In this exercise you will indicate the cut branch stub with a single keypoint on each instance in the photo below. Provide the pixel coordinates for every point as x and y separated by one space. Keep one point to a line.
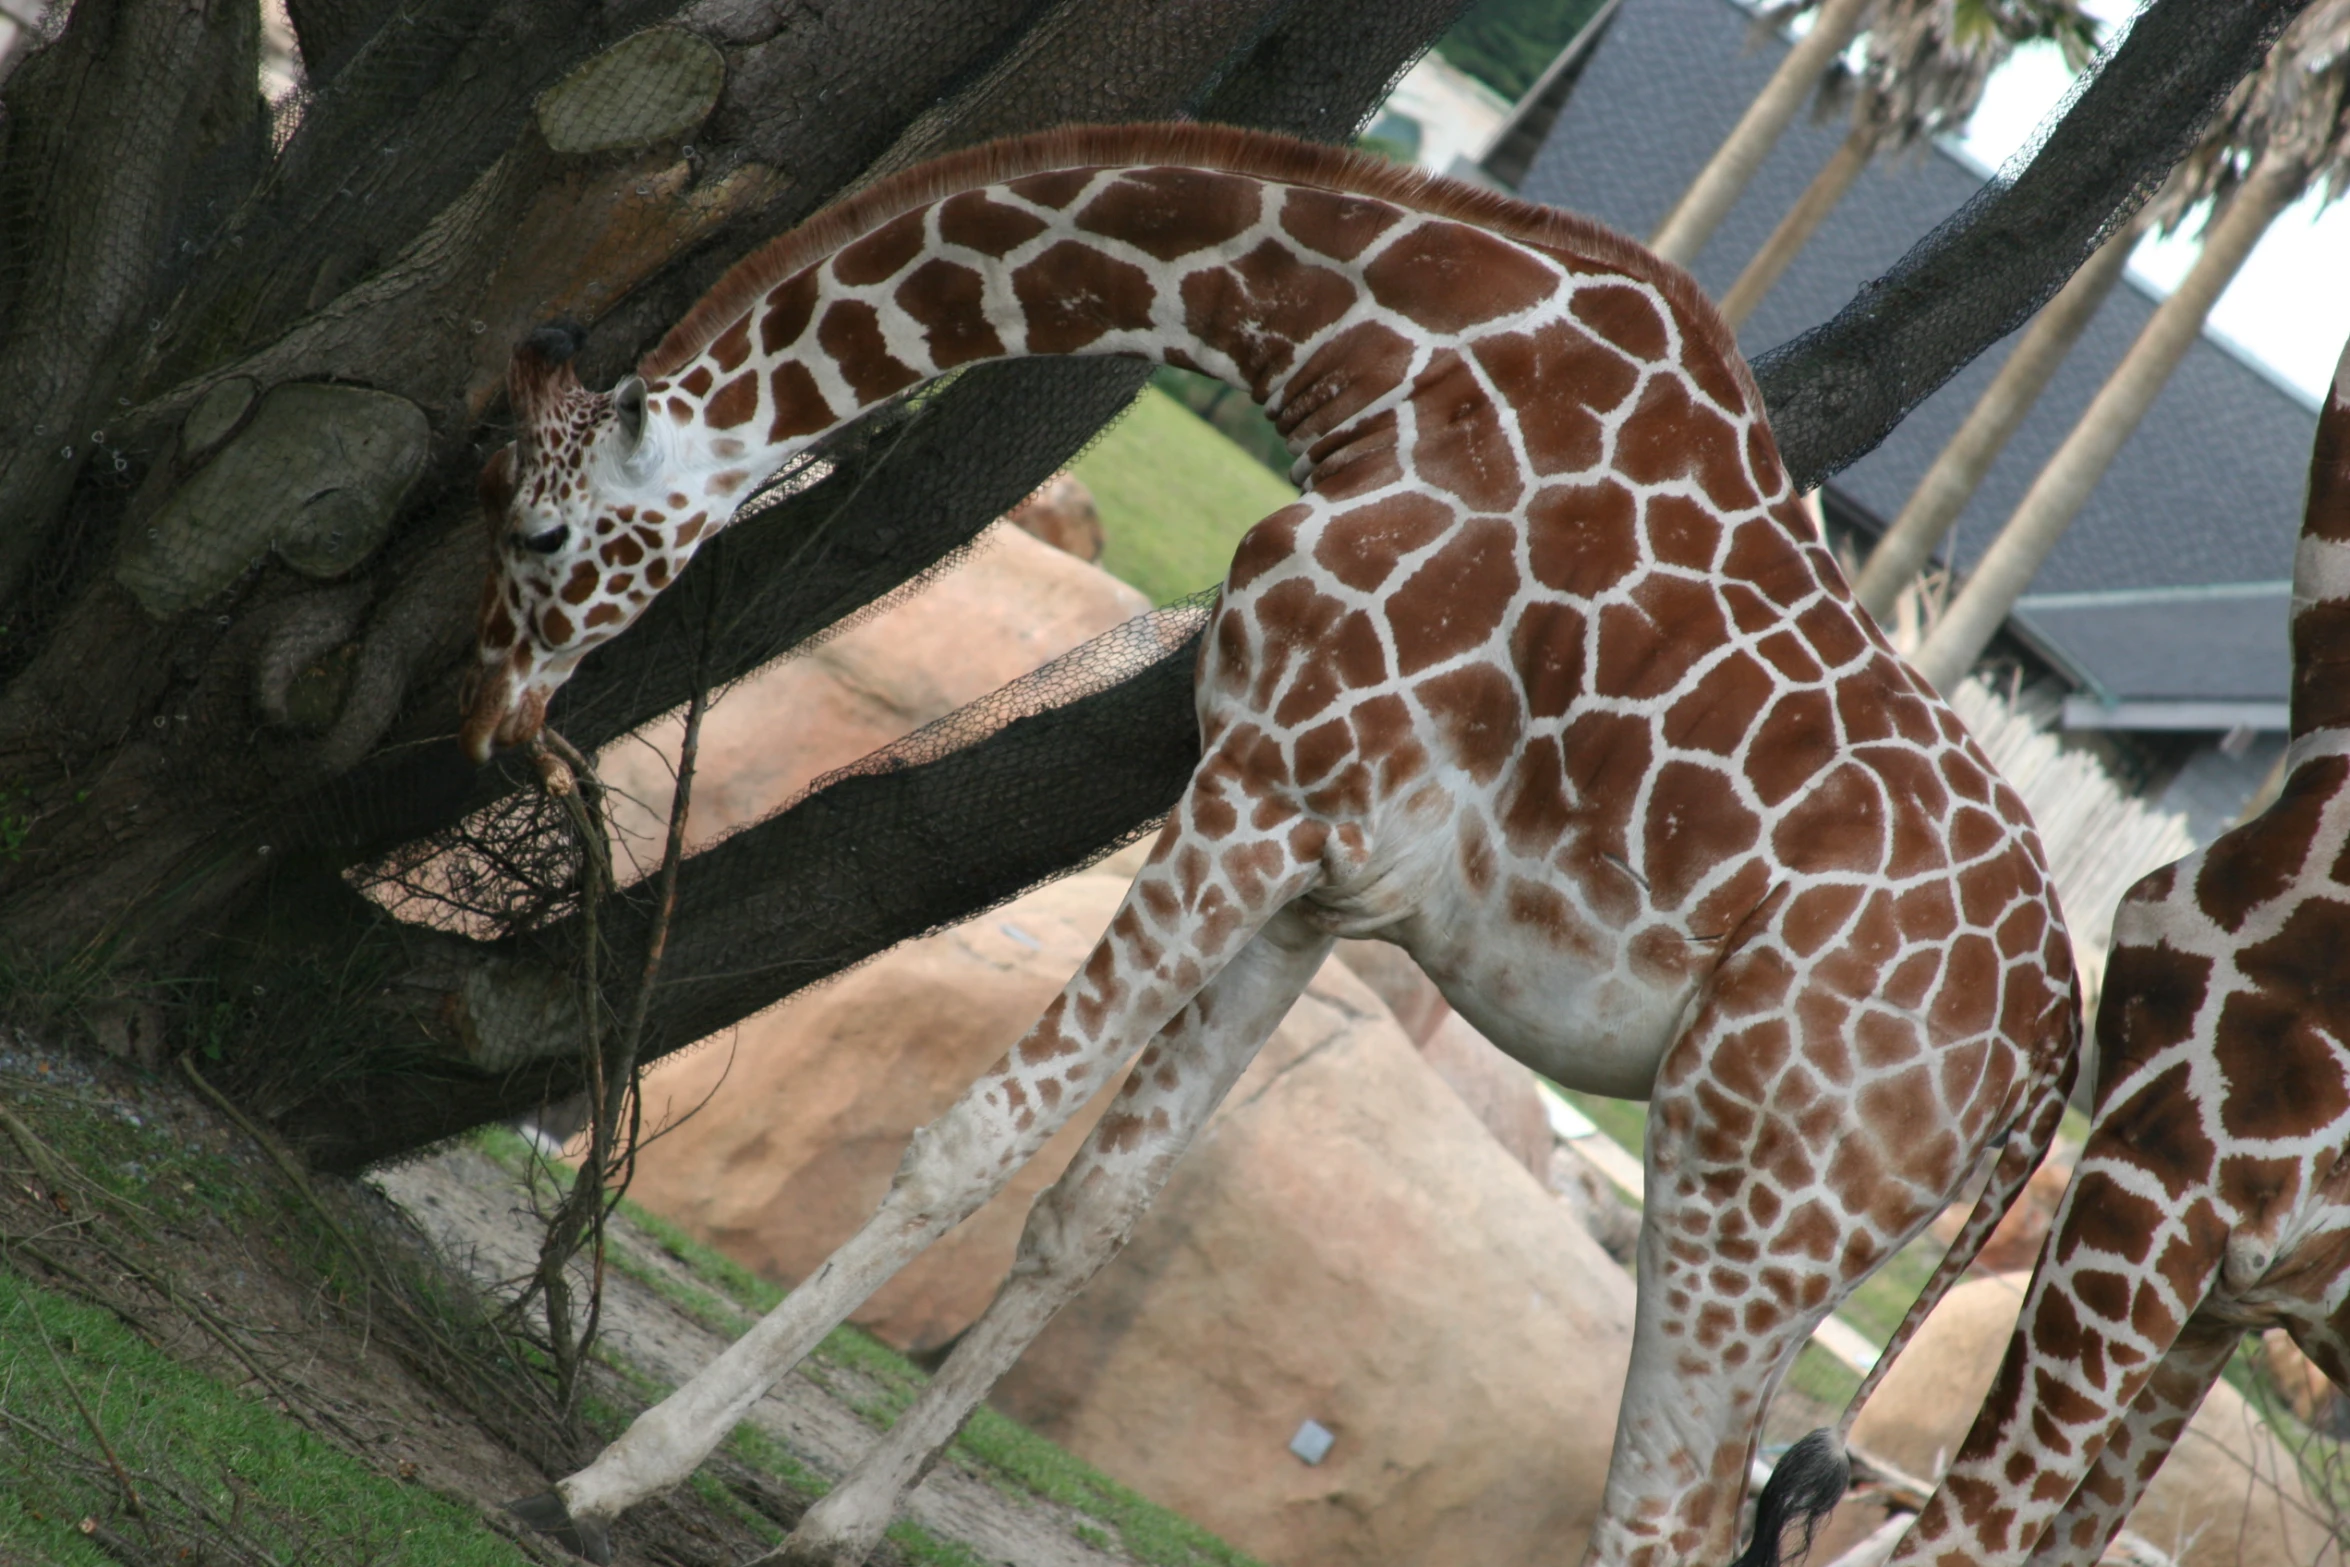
653 87
508 1012
316 475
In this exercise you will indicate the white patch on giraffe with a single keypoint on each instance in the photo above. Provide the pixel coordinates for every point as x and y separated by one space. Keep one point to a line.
2321 571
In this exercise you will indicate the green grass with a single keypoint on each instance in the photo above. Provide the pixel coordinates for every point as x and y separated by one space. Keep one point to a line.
1175 497
1508 43
726 1296
1624 1121
189 1445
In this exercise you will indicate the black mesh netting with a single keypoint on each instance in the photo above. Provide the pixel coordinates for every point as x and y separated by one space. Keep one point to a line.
233 640
1835 391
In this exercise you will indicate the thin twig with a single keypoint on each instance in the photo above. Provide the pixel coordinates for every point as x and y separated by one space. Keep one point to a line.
277 1156
122 1476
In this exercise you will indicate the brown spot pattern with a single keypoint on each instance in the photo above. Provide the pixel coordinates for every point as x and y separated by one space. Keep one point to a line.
1073 293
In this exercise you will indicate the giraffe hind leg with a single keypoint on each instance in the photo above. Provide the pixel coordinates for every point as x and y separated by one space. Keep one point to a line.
1811 1478
1189 912
1076 1227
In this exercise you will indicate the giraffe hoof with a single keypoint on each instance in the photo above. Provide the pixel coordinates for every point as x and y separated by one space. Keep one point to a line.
545 1512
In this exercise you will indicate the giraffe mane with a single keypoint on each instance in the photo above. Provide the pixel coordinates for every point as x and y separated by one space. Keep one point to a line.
1221 147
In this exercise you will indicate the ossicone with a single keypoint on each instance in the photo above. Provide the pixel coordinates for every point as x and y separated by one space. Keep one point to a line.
542 373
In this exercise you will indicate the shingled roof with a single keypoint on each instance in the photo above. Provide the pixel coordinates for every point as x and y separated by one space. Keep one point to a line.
2166 601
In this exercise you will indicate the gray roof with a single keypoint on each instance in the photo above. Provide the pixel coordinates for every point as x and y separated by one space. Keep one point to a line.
2207 493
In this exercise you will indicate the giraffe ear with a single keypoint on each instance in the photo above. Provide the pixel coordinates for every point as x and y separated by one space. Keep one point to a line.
539 378
628 406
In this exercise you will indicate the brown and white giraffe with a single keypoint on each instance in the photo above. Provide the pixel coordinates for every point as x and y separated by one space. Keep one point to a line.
2213 1196
1545 678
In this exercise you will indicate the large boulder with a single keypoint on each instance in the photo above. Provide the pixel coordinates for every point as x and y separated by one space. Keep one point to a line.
1348 1245
1062 513
1499 1091
1014 603
2230 1495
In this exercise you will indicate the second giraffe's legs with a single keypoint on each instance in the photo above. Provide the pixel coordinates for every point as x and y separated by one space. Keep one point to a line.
1077 1226
1191 911
2141 1440
2110 1311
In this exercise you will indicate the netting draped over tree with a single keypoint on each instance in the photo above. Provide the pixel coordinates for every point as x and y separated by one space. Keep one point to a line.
234 635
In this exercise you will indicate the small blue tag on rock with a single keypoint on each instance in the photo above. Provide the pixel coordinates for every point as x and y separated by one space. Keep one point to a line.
1312 1442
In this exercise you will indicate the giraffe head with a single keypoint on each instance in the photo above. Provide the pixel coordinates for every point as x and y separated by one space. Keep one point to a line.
584 530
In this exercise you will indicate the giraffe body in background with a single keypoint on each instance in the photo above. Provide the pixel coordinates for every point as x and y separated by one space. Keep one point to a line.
2213 1195
1545 677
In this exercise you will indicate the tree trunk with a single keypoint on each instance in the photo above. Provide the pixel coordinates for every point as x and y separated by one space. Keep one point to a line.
1795 230
1709 198
1958 469
2057 495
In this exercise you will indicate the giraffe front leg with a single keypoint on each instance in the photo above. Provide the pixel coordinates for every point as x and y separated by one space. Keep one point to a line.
1076 1227
1203 898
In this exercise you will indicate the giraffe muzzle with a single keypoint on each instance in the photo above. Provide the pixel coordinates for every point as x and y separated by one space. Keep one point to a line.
500 710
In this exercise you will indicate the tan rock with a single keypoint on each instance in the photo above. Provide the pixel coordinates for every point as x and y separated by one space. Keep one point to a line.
1397 981
1498 1091
2015 1242
1014 604
1347 1244
2229 1496
1062 513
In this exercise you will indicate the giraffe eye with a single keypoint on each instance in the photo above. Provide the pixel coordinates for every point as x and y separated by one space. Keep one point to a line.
549 542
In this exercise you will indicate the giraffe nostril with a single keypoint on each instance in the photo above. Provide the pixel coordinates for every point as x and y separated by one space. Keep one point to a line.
549 542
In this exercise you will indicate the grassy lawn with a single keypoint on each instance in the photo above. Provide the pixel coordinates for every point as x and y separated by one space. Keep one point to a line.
1175 497
186 1446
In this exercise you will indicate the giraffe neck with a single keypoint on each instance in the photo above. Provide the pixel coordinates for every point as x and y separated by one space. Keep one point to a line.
2321 588
1322 284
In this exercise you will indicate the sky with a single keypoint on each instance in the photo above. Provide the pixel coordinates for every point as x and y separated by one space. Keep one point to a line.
2289 309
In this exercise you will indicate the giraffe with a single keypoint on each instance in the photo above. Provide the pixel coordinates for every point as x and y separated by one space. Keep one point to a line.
2213 1194
1545 677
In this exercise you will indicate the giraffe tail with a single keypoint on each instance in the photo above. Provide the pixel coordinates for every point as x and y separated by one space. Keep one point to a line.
1808 1481
1812 1476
